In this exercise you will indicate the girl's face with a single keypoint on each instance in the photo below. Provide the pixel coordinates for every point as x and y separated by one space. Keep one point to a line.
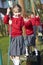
15 10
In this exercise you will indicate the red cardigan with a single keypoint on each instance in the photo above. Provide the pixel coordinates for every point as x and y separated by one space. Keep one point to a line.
17 24
29 27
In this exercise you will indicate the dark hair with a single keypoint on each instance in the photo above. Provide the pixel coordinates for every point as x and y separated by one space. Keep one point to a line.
20 9
32 13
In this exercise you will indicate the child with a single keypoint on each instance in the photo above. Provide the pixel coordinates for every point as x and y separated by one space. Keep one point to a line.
29 31
17 23
30 25
39 27
36 25
33 20
29 37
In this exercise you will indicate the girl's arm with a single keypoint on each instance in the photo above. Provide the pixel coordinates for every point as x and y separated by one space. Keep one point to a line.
6 17
23 28
23 31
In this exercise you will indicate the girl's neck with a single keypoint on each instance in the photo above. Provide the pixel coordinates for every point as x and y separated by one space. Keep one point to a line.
26 19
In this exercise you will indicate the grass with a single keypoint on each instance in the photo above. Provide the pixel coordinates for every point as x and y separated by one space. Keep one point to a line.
4 43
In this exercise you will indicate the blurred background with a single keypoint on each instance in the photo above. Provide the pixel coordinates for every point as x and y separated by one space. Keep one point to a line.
28 6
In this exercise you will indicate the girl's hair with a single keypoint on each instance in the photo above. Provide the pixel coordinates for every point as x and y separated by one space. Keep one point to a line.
19 7
25 15
32 13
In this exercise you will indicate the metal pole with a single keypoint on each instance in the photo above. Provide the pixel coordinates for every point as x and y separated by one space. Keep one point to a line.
1 62
10 4
9 45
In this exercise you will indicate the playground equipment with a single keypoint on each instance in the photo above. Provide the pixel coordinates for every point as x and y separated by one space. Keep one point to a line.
1 62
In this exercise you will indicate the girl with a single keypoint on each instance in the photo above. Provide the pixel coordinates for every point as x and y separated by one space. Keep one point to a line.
39 27
36 25
30 33
17 23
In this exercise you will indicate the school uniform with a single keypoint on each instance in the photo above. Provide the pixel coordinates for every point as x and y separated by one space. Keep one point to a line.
38 21
16 45
33 20
38 24
29 33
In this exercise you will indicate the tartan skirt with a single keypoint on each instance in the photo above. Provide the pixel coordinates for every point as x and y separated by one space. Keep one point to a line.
17 47
30 40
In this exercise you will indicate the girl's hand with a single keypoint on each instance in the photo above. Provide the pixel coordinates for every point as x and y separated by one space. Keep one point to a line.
8 11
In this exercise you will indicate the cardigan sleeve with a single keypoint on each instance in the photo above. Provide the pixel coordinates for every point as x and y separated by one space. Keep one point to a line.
6 19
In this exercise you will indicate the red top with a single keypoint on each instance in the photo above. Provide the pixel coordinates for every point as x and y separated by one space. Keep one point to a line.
38 23
17 24
29 27
33 20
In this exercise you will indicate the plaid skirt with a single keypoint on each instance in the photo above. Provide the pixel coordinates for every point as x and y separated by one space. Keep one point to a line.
30 40
16 46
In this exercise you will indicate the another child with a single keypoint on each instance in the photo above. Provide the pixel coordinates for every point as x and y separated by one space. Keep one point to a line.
17 26
29 32
31 25
36 25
